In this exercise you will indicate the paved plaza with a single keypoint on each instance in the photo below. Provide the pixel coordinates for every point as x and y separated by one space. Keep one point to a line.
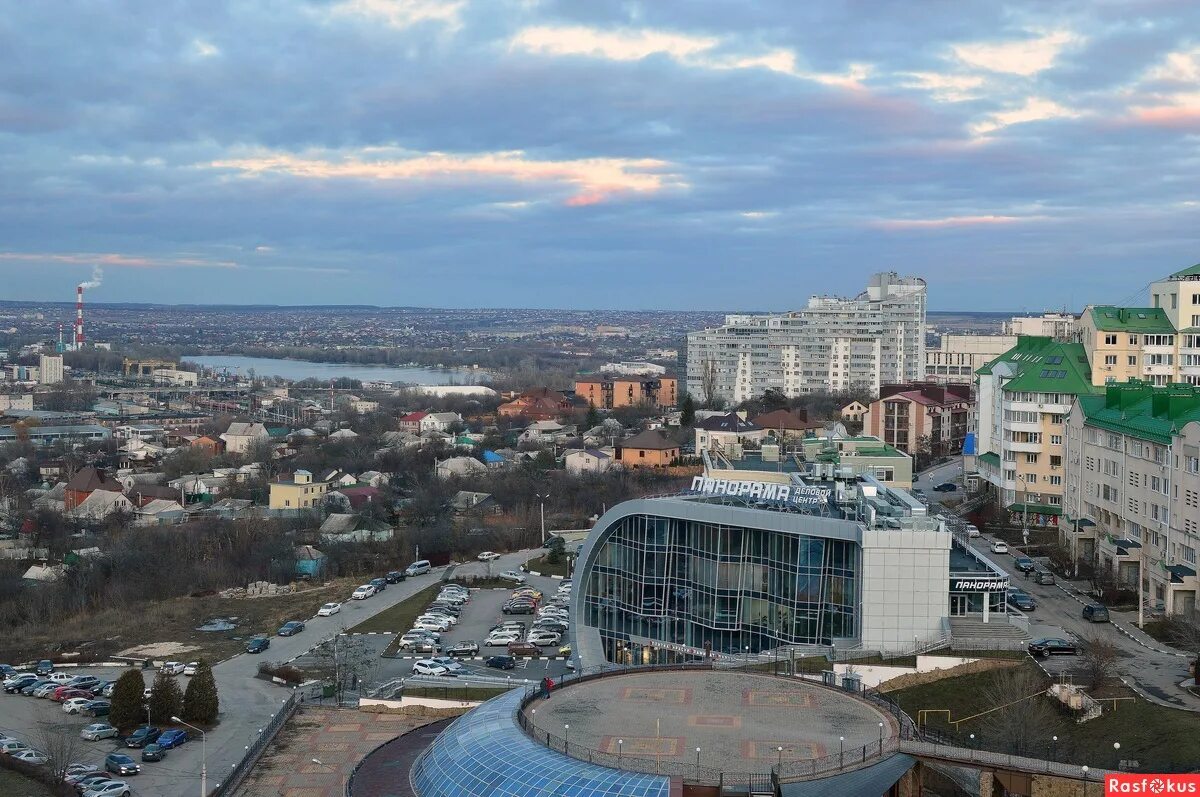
738 720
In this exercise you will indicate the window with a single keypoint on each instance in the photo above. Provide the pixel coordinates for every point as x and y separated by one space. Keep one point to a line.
1055 461
1132 360
1110 340
1133 340
1031 459
1110 359
1055 440
1056 480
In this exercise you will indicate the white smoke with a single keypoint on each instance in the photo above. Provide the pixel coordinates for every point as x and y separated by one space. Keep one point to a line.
94 282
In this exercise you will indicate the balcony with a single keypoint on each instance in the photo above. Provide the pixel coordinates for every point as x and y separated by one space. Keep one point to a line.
1030 448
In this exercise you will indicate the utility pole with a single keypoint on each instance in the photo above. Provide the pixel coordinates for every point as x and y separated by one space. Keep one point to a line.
542 499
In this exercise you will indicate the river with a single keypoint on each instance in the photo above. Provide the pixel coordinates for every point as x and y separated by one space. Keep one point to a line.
297 370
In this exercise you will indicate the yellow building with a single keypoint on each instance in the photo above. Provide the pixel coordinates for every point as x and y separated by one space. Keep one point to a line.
297 492
1124 343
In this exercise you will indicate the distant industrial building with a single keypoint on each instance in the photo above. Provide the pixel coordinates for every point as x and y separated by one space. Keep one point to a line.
1048 325
834 344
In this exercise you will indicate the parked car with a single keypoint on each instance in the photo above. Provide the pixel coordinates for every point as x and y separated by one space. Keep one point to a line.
362 593
464 648
1095 613
172 738
291 628
1052 646
429 667
1021 600
430 624
19 682
488 556
97 731
75 704
564 650
413 637
946 487
77 772
65 693
7 671
33 757
143 736
502 639
1043 576
518 607
999 546
418 568
191 667
512 575
109 788
523 649
108 689
527 592
329 609
59 678
501 662
84 682
91 781
543 639
380 584
1025 564
44 667
551 625
453 665
41 688
427 646
395 577
10 746
97 708
972 532
258 644
152 752
121 764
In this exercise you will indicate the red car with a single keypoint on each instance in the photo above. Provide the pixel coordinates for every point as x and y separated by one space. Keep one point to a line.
523 649
67 692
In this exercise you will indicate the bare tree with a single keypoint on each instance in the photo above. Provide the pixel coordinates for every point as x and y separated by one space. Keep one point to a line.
60 744
348 663
1021 717
1099 659
708 381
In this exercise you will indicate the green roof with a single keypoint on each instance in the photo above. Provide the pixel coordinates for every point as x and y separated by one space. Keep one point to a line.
1190 271
1036 509
1045 365
884 450
1141 410
1131 319
991 459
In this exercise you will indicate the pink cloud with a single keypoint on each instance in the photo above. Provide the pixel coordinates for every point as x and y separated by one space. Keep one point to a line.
950 222
114 260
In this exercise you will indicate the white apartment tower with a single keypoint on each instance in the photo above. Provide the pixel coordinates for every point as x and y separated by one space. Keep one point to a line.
833 344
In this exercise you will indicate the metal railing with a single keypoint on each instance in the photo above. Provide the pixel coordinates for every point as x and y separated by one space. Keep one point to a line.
986 758
242 768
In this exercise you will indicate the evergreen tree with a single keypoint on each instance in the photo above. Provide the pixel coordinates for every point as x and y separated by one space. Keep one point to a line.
166 700
592 419
557 548
200 702
126 709
687 414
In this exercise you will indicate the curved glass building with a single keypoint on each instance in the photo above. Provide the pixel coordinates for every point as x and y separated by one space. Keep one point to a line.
484 753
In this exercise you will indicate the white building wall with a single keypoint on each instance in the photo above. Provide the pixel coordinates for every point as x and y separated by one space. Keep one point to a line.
905 588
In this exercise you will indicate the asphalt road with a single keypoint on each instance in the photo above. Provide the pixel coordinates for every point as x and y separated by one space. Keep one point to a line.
949 472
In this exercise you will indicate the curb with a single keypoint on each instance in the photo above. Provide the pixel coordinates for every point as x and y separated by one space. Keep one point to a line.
1177 654
1152 699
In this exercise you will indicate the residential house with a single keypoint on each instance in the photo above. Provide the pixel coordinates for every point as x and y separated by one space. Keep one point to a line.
459 466
86 481
201 487
922 418
343 434
310 562
648 449
352 499
466 502
338 479
492 459
349 527
538 404
725 432
297 491
412 422
587 460
240 437
159 512
440 421
373 478
99 505
854 411
1124 343
540 432
213 445
609 392
787 425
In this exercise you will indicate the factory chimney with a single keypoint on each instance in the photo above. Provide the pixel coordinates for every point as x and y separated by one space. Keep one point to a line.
78 317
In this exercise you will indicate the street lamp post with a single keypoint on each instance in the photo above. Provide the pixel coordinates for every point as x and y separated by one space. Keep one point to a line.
841 751
542 499
780 749
203 755
620 749
1117 749
1054 748
566 736
697 759
881 738
321 763
1083 786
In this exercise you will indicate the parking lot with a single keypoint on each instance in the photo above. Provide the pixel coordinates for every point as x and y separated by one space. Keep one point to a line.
32 719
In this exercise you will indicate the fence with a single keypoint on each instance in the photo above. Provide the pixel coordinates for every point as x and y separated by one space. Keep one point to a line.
243 767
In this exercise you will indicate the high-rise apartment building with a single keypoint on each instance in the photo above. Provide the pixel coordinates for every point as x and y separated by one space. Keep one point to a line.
958 357
1133 488
1047 325
50 369
1124 343
833 344
1022 401
1179 297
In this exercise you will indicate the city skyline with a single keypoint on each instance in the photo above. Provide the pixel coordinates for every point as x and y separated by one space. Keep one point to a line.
633 155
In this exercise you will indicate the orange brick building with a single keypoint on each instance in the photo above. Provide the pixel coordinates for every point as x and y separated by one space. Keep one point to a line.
612 392
647 449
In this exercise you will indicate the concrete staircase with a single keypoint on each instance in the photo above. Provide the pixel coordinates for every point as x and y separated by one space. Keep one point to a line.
997 634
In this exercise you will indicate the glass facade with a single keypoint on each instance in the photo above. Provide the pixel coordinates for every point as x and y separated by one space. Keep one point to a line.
710 586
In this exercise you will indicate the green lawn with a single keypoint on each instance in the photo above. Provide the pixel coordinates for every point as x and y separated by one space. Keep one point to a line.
399 618
14 785
540 565
1160 739
452 693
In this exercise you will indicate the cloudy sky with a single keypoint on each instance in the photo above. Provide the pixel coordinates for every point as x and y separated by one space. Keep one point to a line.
582 153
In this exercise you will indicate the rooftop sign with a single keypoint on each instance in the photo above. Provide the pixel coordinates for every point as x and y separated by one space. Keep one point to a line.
762 491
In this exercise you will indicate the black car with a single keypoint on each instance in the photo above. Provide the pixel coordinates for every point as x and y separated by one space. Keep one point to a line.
121 764
7 671
1022 601
394 577
519 607
258 644
152 752
1025 564
464 648
44 667
501 662
143 736
380 584
30 688
946 487
291 627
1052 646
1095 613
20 682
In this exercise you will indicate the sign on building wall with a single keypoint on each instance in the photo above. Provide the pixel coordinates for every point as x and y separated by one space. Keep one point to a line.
980 584
762 491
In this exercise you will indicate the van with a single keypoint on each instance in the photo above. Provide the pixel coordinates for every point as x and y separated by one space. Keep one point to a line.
1095 613
418 568
1043 577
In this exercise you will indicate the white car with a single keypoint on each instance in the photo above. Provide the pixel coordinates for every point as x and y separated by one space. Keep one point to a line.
429 667
75 704
59 677
11 746
488 556
502 640
457 598
413 637
999 547
439 618
191 667
32 757
450 663
431 625
97 731
174 668
109 788
543 638
329 609
362 593
512 575
972 532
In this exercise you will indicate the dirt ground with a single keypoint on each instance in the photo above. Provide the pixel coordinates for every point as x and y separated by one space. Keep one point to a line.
107 633
14 785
